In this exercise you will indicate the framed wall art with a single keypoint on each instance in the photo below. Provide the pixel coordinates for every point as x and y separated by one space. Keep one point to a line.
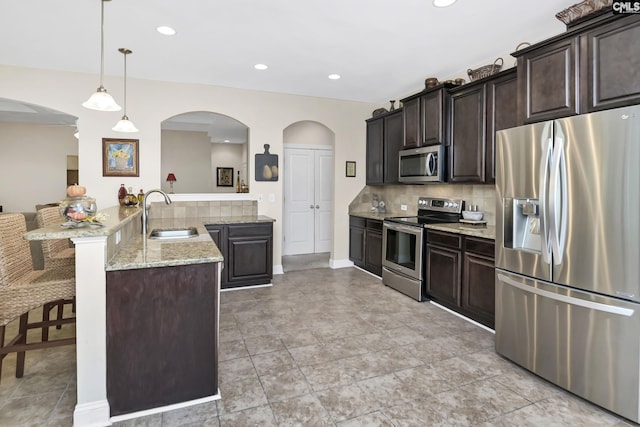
351 169
266 165
120 157
224 177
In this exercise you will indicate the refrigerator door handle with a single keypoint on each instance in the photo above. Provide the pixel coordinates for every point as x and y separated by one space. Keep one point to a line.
567 299
547 151
558 195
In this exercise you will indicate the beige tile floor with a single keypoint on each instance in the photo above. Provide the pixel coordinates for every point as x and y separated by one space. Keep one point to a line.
329 347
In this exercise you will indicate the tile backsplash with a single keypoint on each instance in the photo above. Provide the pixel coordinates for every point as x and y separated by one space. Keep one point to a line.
203 209
483 195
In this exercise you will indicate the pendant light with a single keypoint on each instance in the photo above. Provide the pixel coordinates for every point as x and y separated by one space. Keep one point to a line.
125 125
101 100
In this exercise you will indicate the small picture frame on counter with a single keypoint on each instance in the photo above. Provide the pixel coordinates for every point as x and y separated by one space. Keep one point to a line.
350 169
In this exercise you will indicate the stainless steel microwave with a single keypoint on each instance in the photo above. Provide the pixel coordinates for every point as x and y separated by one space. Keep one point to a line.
422 165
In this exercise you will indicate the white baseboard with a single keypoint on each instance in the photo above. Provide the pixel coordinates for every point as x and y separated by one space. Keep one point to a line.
277 269
340 263
244 288
463 317
152 411
368 272
92 414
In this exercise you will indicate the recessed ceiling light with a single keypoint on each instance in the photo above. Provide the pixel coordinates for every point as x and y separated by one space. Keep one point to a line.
260 67
167 31
226 140
443 3
334 76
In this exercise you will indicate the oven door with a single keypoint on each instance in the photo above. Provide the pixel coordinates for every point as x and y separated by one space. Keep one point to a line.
402 249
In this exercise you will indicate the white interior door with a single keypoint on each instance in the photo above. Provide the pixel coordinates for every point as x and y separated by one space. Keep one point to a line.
299 203
323 200
308 201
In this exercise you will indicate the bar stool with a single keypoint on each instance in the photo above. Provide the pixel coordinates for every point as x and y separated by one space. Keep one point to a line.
56 253
23 289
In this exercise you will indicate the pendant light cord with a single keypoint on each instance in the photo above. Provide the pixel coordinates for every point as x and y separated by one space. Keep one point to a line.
125 52
101 42
125 83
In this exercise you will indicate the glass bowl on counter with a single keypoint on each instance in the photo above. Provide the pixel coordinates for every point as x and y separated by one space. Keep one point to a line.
78 208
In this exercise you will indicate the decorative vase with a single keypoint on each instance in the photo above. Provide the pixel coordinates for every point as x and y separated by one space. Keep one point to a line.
121 163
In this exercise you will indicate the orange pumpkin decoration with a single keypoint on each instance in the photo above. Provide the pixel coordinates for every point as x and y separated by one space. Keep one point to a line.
76 190
78 216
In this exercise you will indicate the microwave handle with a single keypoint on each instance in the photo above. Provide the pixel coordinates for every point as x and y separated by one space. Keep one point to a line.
431 164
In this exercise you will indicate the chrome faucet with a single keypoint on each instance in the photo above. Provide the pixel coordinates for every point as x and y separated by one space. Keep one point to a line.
167 200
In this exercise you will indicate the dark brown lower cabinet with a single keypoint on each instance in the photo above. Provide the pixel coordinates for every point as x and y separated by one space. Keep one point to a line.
443 267
356 240
478 280
460 274
247 249
161 336
365 243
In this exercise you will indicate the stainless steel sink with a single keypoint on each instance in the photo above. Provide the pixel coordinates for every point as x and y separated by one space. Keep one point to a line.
173 233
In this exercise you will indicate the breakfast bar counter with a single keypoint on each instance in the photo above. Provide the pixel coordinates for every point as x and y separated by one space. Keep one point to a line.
125 283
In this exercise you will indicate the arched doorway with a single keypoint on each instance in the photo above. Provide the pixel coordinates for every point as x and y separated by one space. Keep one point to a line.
308 189
198 146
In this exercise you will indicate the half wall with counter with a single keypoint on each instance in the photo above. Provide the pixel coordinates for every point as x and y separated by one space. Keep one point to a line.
120 276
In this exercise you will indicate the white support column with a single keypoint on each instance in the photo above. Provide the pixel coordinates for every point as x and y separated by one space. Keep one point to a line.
92 408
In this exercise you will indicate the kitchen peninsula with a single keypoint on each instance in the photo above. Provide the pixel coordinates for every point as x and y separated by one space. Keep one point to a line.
144 307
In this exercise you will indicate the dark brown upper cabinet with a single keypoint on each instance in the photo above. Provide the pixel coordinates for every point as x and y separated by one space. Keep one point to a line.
375 151
478 110
384 142
592 67
424 118
611 56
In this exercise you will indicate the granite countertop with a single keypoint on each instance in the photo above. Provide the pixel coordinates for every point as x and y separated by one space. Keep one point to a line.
116 218
483 231
142 252
139 252
373 215
221 220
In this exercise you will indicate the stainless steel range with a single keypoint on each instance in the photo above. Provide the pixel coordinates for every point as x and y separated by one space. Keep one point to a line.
403 244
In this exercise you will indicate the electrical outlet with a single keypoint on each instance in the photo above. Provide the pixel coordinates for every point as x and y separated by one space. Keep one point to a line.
259 198
118 237
403 207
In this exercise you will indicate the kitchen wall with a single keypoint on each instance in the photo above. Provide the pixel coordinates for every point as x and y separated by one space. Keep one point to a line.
150 102
483 195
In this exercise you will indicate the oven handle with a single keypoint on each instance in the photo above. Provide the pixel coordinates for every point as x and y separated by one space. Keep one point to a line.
403 228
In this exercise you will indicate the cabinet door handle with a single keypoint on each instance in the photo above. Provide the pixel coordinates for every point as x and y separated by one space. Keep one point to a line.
310 206
317 206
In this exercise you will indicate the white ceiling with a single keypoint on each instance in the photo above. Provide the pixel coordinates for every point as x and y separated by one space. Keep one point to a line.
384 49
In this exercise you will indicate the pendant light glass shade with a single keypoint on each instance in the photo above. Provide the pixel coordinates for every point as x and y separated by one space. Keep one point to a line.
125 125
101 100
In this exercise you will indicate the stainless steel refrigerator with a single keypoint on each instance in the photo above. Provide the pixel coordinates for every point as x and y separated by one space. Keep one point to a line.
568 254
